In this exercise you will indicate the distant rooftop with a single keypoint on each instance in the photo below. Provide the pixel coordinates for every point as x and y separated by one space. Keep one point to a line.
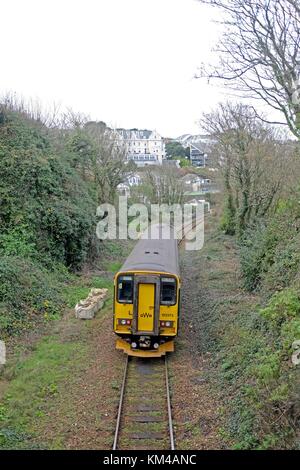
187 139
134 133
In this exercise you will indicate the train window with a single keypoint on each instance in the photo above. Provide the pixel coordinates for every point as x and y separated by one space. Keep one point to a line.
168 291
125 289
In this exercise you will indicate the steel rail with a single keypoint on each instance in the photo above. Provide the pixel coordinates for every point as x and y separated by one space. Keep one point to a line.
115 444
193 225
171 432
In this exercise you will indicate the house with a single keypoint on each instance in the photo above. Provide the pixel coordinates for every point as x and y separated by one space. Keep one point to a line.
144 147
190 179
197 184
198 157
130 181
134 180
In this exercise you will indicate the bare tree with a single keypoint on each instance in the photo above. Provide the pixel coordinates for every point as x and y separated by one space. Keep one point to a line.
252 161
259 53
160 186
70 119
100 157
33 109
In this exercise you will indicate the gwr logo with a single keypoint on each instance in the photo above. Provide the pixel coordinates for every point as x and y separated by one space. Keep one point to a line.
146 315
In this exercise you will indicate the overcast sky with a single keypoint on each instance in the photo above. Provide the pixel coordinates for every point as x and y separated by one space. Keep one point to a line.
129 63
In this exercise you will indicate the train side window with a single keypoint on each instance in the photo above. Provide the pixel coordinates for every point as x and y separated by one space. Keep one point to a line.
168 291
125 289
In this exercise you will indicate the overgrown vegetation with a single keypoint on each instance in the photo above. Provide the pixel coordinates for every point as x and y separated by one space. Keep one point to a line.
249 337
261 208
256 370
29 294
261 173
52 179
270 248
252 157
270 264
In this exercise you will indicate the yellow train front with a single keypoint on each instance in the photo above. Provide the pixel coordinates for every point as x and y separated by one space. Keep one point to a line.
147 297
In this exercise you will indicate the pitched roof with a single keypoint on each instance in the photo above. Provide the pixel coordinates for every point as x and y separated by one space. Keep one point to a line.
141 134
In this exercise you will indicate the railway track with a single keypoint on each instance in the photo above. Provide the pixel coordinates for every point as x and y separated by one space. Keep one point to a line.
187 229
144 419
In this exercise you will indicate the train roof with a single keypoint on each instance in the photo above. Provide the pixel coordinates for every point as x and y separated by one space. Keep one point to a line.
154 254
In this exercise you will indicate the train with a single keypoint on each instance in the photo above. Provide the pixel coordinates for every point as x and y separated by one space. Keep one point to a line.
147 296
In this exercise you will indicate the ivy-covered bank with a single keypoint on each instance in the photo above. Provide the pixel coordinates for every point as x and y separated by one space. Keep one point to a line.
257 343
52 180
257 372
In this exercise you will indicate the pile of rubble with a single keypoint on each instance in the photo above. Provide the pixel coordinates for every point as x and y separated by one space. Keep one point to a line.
87 308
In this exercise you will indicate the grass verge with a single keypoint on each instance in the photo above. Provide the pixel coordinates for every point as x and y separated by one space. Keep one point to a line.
35 377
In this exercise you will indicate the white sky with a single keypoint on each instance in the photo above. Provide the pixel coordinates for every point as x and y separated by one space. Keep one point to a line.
129 63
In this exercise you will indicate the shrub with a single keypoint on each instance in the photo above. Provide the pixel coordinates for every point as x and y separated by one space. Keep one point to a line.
269 249
18 242
28 293
283 306
45 204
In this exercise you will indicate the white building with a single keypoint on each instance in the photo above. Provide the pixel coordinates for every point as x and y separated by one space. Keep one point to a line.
132 180
144 147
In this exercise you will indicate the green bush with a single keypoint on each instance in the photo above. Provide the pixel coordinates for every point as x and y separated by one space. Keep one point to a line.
47 220
227 224
256 365
28 293
283 306
285 268
18 242
256 347
269 249
41 192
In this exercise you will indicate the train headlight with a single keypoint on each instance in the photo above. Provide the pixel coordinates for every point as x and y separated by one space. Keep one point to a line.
156 345
133 345
124 321
167 324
